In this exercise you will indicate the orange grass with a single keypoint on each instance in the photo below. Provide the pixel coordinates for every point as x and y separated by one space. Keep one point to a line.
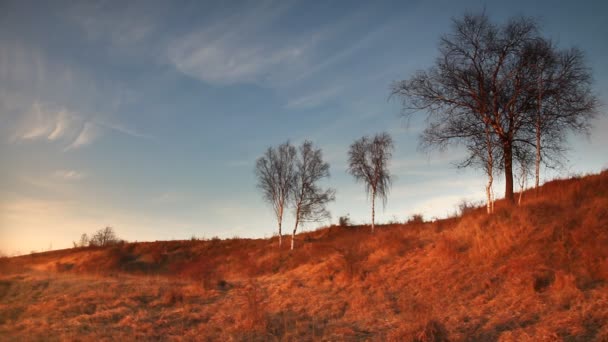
531 273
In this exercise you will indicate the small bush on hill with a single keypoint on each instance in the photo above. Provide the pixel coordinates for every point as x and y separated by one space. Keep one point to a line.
416 219
344 221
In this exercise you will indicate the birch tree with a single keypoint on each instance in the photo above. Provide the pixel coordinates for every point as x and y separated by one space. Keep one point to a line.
275 172
368 160
563 100
308 197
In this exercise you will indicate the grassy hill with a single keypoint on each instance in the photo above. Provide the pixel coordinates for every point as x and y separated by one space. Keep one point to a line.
538 272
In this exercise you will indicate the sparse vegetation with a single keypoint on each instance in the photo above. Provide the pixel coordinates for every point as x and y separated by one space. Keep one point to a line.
416 219
344 221
102 238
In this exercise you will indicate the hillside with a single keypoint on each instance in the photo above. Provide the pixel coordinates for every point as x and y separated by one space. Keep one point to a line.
537 272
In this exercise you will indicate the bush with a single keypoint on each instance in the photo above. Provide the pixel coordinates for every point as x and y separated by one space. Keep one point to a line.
344 221
466 207
433 331
416 219
104 237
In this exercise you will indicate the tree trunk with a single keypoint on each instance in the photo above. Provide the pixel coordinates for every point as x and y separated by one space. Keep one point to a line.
280 224
493 198
508 155
373 208
537 180
295 227
490 170
538 133
280 237
489 194
522 182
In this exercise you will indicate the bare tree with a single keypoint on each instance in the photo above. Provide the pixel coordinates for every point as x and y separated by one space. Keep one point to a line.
368 160
275 171
84 240
309 199
563 99
104 237
484 78
483 148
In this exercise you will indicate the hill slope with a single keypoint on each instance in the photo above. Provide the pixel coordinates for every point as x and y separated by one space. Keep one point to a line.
536 272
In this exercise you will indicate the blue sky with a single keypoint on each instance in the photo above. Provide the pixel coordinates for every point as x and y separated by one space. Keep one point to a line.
148 116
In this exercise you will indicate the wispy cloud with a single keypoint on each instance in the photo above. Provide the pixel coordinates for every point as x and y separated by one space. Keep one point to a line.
245 48
54 125
122 26
69 175
42 122
314 99
232 59
88 133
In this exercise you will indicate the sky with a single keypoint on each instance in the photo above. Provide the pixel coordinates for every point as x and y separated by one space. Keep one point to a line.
148 116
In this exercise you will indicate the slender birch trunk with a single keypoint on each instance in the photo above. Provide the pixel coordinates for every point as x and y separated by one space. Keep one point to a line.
280 226
490 206
538 133
508 163
493 198
295 227
537 166
522 182
490 170
373 208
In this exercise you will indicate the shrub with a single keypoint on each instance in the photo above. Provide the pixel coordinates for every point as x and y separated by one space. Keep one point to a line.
465 207
433 331
104 237
344 221
416 219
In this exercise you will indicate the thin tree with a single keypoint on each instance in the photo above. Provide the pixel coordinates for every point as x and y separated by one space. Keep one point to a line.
275 171
309 199
563 99
368 160
84 240
484 152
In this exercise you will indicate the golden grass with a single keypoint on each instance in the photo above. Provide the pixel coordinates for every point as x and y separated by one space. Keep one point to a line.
533 273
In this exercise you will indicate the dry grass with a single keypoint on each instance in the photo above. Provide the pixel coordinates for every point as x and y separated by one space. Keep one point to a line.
533 273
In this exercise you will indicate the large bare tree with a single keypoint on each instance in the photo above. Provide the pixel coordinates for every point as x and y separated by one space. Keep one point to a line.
308 197
368 160
482 79
275 171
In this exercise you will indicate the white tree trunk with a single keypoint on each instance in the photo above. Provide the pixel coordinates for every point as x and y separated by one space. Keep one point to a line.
295 227
280 224
493 197
522 182
538 132
489 195
537 169
490 171
373 208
